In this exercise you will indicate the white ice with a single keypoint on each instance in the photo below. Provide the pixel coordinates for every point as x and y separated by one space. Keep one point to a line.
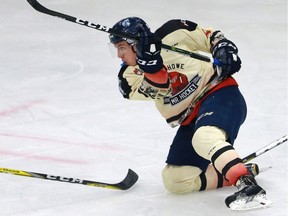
61 112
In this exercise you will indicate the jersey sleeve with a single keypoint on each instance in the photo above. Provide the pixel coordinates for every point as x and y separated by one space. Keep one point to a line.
129 83
133 85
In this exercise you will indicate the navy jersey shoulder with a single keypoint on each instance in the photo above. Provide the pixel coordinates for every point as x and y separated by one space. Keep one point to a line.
173 25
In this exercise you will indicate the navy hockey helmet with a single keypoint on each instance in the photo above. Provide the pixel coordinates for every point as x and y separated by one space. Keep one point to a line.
130 25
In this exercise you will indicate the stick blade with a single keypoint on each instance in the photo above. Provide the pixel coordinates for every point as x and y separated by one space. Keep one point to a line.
130 179
40 8
36 5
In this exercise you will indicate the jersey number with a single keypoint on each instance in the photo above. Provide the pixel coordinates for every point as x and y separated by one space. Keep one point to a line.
149 63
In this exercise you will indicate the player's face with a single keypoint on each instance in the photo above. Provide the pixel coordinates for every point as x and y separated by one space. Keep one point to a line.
126 53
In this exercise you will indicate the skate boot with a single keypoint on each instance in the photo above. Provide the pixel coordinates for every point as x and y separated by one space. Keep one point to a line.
249 195
253 169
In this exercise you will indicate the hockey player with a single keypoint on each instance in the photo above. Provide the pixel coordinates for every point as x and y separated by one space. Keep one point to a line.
202 98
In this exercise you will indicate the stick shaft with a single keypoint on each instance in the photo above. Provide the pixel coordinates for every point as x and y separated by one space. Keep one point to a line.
265 149
37 6
129 180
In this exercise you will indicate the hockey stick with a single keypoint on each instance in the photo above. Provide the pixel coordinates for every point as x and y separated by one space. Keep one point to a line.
130 179
265 149
37 6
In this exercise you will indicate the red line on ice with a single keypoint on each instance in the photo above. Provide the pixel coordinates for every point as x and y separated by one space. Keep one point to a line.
37 157
19 108
44 139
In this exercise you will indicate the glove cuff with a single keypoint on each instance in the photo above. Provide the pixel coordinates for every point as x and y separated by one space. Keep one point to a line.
152 66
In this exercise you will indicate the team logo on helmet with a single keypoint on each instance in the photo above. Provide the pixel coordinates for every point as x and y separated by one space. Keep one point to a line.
126 23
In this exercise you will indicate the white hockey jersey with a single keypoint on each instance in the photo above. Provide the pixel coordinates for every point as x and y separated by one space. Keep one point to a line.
189 78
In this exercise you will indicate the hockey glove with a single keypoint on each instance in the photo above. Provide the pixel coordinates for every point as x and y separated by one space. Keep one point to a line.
148 50
229 62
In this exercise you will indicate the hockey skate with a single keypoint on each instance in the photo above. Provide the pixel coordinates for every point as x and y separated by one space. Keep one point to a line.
250 195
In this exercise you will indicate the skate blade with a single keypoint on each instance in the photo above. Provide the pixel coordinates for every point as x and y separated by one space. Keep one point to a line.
244 204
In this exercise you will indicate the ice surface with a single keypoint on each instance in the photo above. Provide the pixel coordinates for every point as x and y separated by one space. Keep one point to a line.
61 112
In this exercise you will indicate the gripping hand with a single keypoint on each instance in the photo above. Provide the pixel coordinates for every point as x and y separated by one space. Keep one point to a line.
229 62
148 50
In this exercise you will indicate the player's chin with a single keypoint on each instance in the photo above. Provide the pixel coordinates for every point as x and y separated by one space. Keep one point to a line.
130 63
